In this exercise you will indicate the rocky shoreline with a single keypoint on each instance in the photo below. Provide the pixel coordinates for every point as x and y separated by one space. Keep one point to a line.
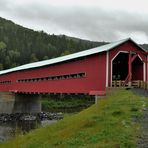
4 118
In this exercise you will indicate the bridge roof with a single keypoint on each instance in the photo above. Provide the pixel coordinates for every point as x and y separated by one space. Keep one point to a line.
88 52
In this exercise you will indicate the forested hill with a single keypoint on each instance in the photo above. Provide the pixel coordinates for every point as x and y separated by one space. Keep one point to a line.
19 45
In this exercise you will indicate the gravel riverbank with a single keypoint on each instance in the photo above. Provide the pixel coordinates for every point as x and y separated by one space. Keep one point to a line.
143 120
4 118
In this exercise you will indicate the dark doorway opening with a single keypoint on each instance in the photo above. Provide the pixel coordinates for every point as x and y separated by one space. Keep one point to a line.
120 67
137 69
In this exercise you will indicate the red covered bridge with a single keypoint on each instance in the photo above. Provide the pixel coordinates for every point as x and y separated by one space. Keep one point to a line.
85 72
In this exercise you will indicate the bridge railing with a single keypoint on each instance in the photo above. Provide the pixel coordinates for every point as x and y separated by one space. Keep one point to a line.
135 83
144 85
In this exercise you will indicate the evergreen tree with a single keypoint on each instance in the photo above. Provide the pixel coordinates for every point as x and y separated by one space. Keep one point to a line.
33 58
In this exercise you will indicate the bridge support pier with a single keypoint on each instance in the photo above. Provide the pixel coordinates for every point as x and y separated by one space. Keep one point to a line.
6 102
19 103
27 103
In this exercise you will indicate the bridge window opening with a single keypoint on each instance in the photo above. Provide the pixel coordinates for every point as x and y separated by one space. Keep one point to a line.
5 82
52 78
48 78
78 75
61 77
45 79
120 67
58 77
41 79
72 76
37 79
32 80
55 78
67 76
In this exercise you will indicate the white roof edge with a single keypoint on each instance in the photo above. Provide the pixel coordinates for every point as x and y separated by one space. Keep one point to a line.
84 53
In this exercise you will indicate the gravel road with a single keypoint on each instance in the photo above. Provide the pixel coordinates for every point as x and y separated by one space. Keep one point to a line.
143 120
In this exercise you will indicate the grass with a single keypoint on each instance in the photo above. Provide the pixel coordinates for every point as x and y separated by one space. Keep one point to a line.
107 124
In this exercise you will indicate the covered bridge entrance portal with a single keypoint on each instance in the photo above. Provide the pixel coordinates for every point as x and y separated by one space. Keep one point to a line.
120 67
127 67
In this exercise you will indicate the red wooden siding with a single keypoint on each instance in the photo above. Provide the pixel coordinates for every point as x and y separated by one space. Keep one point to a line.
147 69
82 75
93 66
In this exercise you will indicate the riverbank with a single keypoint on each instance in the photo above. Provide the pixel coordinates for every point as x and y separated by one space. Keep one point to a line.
17 117
106 124
22 123
66 103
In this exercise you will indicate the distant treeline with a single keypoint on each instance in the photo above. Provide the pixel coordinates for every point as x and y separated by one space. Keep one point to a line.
19 45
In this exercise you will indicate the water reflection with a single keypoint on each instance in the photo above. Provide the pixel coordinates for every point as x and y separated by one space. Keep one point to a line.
10 130
5 132
15 124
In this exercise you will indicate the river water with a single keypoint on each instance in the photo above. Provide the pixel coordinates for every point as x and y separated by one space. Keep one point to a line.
10 130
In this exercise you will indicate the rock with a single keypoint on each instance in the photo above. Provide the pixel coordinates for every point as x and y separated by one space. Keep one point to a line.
30 117
50 116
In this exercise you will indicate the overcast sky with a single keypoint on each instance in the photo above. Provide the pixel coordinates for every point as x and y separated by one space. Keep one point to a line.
97 20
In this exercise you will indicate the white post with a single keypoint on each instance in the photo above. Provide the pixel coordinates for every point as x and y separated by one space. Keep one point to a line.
129 84
96 99
107 65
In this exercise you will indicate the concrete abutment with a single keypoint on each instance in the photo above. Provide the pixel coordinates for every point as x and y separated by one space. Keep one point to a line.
19 103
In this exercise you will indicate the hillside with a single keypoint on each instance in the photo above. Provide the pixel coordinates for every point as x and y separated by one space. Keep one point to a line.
108 124
145 46
20 45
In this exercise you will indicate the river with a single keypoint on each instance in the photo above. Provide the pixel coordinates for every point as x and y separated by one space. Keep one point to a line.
9 130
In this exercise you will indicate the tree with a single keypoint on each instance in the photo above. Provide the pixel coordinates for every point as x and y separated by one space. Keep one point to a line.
7 62
33 58
66 52
2 51
14 54
2 46
45 58
1 66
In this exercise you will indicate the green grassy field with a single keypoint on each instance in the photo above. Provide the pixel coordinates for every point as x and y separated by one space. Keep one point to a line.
107 124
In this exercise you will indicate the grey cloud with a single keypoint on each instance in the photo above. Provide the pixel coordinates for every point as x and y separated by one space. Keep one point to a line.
3 5
90 23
